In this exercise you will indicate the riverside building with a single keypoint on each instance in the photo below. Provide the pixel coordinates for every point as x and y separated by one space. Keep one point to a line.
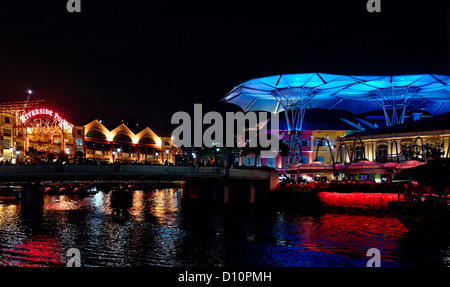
32 131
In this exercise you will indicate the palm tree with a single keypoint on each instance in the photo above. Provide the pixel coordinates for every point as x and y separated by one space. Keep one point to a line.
77 157
62 157
205 153
33 156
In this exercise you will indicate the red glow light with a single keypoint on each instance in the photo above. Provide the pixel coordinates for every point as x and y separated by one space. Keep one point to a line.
36 251
357 199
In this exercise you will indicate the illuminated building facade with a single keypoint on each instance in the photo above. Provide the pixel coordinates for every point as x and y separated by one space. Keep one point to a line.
124 145
30 128
410 143
393 95
317 141
33 132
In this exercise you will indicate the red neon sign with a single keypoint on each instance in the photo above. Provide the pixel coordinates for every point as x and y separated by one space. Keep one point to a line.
46 112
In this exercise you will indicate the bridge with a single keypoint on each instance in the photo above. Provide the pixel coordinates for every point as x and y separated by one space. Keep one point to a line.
24 173
211 184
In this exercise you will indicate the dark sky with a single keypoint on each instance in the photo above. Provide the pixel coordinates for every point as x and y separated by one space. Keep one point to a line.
121 59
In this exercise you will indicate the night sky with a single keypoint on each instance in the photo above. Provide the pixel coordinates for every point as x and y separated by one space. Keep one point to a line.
125 59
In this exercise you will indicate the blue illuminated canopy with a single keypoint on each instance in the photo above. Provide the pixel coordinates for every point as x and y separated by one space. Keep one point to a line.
394 95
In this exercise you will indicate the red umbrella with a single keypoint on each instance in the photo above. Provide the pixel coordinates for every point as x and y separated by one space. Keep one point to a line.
365 166
408 164
316 167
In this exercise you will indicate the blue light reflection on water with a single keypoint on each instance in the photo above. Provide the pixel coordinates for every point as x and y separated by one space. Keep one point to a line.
157 230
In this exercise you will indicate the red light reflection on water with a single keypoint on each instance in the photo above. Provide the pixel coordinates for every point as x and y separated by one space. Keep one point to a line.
36 251
353 234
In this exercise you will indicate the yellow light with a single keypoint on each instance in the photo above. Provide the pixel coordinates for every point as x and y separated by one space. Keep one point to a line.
158 142
109 137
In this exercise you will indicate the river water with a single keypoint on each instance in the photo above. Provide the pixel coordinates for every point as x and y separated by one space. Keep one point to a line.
157 229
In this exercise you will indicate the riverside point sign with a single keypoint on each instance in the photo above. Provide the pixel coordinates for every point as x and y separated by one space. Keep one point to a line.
44 112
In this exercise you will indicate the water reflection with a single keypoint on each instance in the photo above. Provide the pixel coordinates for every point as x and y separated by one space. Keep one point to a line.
351 234
35 251
157 230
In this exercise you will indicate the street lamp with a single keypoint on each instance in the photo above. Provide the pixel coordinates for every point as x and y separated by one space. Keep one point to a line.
167 152
156 155
118 153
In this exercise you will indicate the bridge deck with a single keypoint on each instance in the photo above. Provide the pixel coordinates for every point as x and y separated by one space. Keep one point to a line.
110 172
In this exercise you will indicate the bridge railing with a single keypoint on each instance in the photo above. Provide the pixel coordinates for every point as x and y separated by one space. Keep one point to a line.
107 169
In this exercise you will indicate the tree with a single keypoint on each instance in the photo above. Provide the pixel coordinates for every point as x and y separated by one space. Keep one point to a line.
205 153
62 157
284 148
33 156
77 158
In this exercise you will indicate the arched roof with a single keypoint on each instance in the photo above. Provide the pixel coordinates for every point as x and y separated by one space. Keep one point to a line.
122 133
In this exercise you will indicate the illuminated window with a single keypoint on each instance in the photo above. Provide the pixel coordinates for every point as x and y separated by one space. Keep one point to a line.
7 132
79 141
359 153
122 137
304 143
6 143
382 151
96 134
147 140
320 143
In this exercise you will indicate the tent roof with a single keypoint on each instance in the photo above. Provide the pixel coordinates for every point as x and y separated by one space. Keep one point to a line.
357 94
438 123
